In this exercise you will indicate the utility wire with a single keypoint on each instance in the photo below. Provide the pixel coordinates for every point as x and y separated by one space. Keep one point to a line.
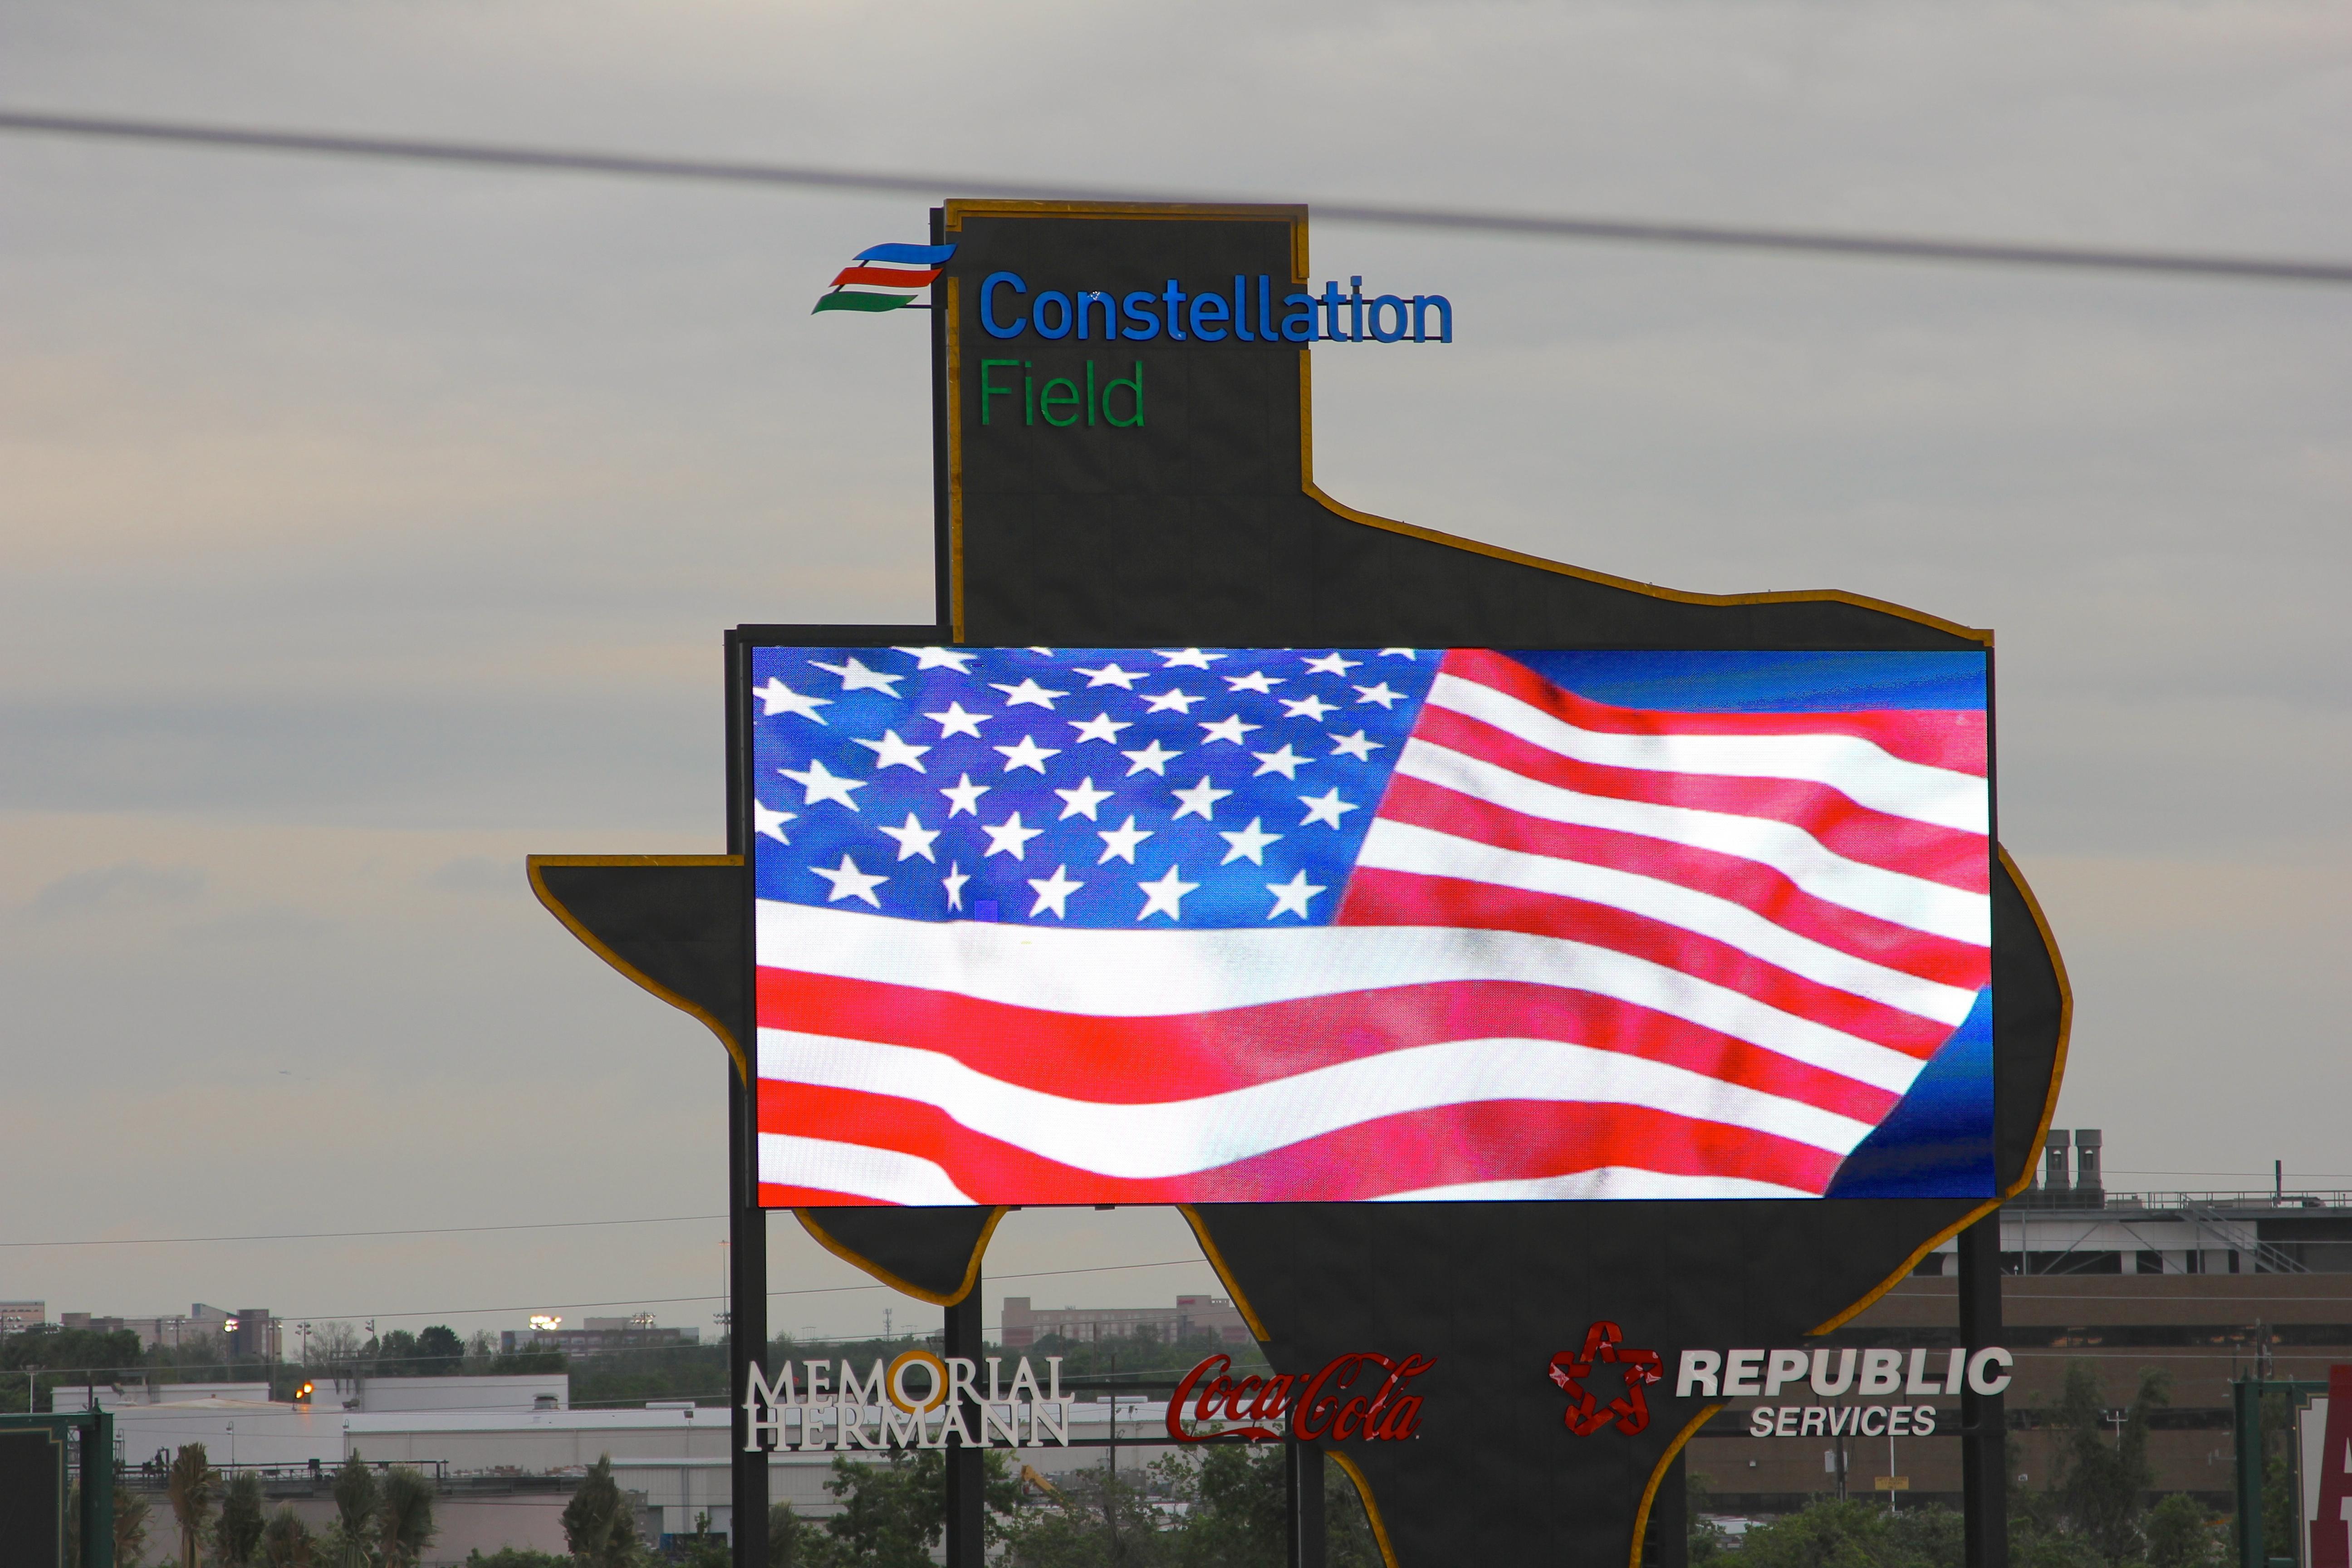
1811 242
342 1235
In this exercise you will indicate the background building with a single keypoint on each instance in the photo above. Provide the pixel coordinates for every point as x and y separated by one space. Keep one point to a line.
2206 1287
1023 1325
17 1316
597 1334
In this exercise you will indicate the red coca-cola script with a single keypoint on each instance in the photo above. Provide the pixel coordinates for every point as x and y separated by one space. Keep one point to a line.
1603 1345
1332 1403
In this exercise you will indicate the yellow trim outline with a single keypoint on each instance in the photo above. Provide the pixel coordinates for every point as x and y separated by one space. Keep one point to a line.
1371 1509
535 863
841 1249
1658 1474
2049 1109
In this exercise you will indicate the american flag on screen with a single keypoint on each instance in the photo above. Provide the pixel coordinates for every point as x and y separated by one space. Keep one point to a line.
1070 926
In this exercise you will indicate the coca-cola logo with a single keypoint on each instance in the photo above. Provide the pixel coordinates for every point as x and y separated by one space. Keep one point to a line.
1360 1396
1604 1346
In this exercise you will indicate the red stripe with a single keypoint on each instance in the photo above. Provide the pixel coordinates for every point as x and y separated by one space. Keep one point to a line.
888 277
1750 884
1377 897
1946 855
1492 1140
1145 1061
777 1195
1937 738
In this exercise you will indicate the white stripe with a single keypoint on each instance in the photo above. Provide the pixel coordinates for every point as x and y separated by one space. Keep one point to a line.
1891 896
1403 846
1858 769
883 1174
1604 1182
1179 1137
1163 973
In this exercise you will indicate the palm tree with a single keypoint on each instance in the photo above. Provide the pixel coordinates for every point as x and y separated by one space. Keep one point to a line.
285 1543
356 1500
192 1485
405 1517
238 1534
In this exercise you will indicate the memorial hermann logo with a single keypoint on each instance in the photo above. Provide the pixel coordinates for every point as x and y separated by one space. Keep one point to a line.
885 277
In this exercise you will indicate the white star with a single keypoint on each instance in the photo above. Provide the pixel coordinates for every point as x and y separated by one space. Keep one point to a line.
940 658
1308 707
856 677
1112 674
781 699
1164 896
1201 800
890 751
1191 656
771 823
1181 701
914 840
1027 754
823 785
1052 893
965 796
1332 664
1028 691
1151 759
1358 745
1082 801
1285 761
1397 652
1121 840
1291 898
956 721
1380 694
1327 808
1008 837
1047 651
1249 845
1257 681
849 882
953 882
1101 727
1229 728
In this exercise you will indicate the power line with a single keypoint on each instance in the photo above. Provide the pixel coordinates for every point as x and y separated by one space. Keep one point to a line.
1810 242
686 1301
341 1235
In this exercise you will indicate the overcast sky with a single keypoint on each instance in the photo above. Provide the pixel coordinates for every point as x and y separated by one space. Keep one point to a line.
364 528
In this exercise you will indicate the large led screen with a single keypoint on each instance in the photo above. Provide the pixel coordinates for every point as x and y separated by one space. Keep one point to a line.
1178 925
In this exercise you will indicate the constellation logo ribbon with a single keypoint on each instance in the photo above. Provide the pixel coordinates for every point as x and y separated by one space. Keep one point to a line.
885 277
1604 1345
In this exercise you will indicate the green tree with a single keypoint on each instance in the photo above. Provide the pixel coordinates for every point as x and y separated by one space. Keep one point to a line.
598 1525
192 1485
439 1352
350 1537
238 1534
2180 1536
2099 1485
132 1518
404 1525
516 1557
794 1542
285 1540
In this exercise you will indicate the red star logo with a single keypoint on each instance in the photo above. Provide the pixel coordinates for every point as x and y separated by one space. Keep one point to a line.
1586 1415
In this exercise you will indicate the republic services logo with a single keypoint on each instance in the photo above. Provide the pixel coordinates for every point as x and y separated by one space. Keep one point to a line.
885 277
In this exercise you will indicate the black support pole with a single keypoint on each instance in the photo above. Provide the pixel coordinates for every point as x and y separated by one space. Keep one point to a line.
1984 1420
1669 1532
747 1222
967 1480
1303 1478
